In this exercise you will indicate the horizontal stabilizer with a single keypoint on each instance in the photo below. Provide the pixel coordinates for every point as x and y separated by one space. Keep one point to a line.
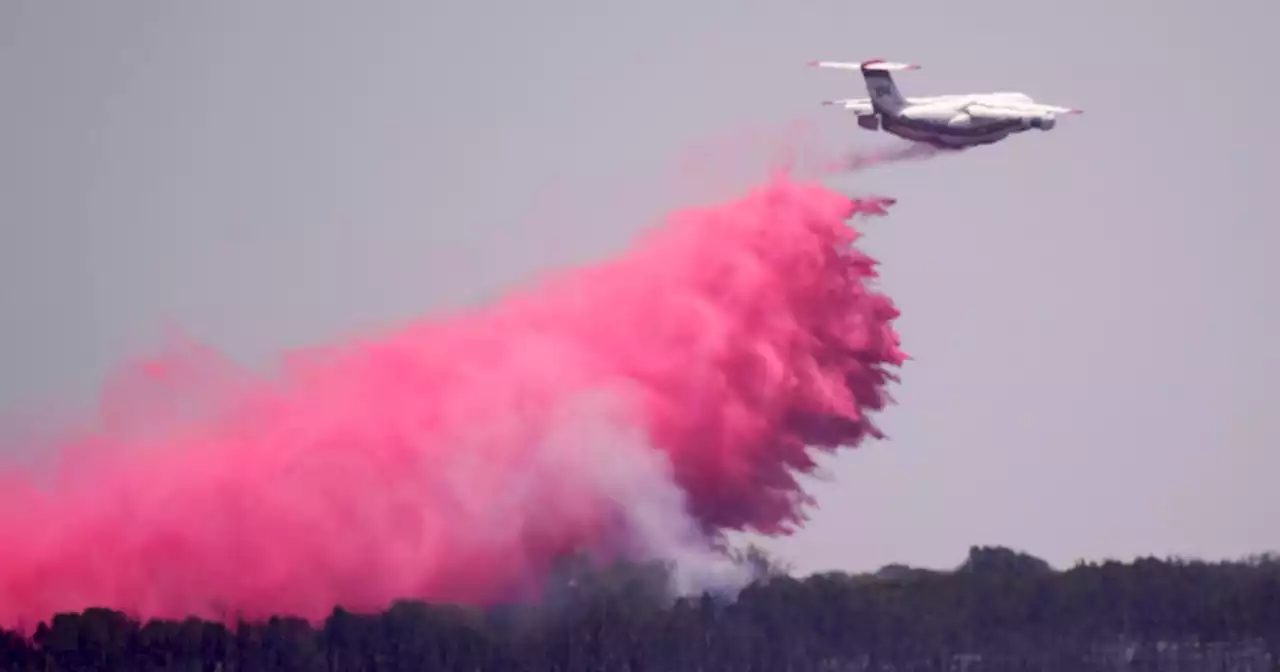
874 65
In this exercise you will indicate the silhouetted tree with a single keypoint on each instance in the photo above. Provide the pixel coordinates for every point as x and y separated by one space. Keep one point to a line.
999 609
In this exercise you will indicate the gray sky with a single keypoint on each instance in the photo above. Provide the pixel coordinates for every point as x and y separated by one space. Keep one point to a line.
1088 310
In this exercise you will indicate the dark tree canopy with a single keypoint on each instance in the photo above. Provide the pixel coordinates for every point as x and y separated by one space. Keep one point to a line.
1000 609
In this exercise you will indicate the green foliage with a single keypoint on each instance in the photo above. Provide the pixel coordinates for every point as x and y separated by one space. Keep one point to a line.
999 603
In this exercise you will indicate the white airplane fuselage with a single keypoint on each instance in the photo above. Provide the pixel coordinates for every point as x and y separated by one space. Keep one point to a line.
944 121
948 121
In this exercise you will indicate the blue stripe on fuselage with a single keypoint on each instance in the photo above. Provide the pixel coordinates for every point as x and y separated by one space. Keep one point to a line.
941 135
935 128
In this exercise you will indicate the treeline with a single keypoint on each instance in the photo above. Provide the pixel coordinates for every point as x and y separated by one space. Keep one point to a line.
1001 604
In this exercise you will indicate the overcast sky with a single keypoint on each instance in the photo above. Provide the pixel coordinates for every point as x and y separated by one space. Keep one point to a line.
1091 310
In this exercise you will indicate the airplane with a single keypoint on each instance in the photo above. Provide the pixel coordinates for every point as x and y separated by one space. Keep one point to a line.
945 122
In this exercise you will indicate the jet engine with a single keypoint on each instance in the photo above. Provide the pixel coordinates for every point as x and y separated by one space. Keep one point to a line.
1042 123
870 122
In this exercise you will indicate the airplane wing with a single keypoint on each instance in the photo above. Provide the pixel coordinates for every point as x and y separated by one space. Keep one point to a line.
859 106
987 110
863 106
984 111
1057 109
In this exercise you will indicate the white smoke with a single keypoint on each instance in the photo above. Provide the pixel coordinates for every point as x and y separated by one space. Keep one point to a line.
866 158
593 439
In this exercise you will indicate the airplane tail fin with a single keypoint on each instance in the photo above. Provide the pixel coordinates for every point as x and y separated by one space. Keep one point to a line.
880 84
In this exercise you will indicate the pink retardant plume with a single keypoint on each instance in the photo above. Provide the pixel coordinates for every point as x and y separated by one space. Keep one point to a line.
456 459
